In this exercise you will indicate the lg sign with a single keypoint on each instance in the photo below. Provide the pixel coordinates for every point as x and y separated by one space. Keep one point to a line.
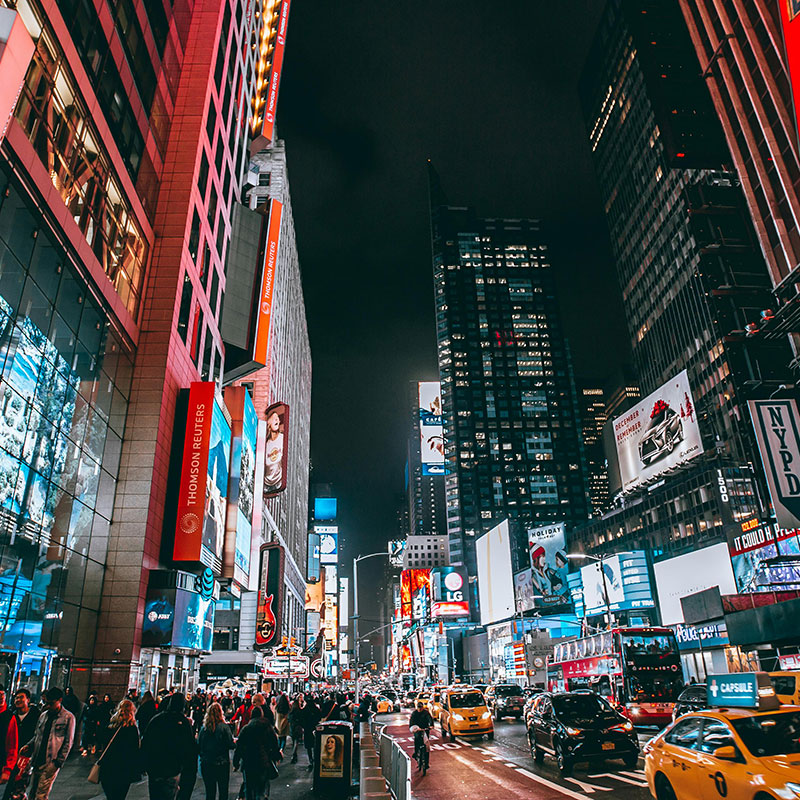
450 592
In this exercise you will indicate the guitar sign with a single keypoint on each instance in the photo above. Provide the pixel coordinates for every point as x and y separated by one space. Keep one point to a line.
270 596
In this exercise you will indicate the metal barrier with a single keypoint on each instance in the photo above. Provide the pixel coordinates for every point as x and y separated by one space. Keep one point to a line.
395 764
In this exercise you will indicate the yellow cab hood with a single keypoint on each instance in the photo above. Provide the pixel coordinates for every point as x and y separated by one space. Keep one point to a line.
787 766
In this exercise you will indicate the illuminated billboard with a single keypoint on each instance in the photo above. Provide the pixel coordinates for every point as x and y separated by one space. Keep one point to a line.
331 621
328 543
658 434
277 449
415 587
344 600
203 489
396 549
331 581
626 582
241 484
264 311
315 596
325 508
549 566
755 547
430 428
790 22
176 617
523 591
270 596
271 104
495 576
449 592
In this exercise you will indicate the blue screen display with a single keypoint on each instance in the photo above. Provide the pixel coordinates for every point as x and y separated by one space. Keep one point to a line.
324 508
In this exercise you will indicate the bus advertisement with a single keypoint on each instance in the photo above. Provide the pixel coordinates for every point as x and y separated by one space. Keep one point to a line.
638 670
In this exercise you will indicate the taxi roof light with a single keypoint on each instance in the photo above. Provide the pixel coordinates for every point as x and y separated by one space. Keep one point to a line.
742 690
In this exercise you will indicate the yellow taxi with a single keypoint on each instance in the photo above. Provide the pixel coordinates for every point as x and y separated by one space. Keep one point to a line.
787 686
384 705
745 747
435 703
464 713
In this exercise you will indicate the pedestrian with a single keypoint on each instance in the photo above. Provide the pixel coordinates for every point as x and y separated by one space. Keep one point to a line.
296 724
9 738
73 704
199 702
365 708
282 719
257 750
146 711
311 717
168 747
26 716
105 709
121 763
226 701
215 742
242 715
50 745
91 721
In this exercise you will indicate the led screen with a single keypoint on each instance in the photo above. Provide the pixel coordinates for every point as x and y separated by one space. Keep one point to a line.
331 580
415 594
627 584
449 592
328 545
276 455
219 452
430 428
495 576
549 567
324 508
764 557
194 621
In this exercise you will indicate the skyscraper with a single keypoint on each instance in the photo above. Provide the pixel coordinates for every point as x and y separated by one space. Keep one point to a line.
593 418
512 440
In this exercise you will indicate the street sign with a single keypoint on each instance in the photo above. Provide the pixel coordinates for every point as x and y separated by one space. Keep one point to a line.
742 690
286 667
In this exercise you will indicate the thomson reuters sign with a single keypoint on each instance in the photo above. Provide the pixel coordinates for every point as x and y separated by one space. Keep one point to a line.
264 319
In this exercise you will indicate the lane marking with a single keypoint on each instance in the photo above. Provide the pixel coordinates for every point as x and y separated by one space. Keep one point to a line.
550 785
617 777
637 773
589 788
507 785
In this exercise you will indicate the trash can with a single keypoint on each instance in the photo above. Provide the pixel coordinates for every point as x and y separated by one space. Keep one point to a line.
333 759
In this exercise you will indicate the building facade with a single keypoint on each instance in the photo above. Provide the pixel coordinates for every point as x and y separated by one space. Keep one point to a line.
423 552
593 418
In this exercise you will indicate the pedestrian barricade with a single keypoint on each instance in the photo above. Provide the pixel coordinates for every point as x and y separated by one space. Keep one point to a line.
395 764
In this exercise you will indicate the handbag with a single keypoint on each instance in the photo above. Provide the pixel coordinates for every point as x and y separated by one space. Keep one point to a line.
94 772
272 770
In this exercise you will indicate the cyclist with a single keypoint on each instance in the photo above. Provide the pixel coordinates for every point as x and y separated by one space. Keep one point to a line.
420 724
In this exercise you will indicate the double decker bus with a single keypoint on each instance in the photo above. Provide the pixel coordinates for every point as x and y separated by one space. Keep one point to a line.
638 670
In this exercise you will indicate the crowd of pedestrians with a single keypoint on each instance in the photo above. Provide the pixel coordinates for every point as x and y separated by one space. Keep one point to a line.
167 740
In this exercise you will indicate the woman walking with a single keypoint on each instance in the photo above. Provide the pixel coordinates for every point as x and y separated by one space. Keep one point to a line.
282 719
311 717
147 710
104 711
296 724
216 742
120 763
91 721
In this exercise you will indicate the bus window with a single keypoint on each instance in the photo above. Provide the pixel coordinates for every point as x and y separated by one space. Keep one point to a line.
602 686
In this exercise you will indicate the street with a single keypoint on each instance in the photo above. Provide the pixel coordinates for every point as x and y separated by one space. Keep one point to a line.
475 767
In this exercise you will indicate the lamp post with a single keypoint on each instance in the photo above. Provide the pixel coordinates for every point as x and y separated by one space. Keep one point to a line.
356 616
601 561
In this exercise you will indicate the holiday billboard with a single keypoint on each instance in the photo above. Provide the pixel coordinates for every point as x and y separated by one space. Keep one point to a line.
449 592
277 451
270 596
764 557
547 550
430 428
657 434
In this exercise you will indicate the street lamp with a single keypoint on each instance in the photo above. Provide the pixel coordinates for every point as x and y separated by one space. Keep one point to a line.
355 608
600 560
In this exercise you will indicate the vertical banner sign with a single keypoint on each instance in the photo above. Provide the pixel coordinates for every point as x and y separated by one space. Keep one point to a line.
430 428
192 490
276 458
264 313
790 20
777 425
268 127
270 596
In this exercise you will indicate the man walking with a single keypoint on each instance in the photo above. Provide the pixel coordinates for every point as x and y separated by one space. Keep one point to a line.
50 745
9 740
256 750
26 716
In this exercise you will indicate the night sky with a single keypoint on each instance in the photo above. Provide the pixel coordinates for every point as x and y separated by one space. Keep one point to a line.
371 90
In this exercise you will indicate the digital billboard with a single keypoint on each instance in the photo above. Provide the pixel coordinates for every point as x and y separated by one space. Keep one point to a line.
790 22
270 596
331 621
430 428
626 581
315 596
415 594
264 312
328 543
523 591
344 601
241 484
657 434
313 556
331 580
175 617
203 490
449 592
277 449
325 508
764 558
495 576
547 550
271 104
396 549
691 573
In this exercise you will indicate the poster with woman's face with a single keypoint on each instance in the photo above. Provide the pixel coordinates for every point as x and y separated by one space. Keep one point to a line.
275 457
331 759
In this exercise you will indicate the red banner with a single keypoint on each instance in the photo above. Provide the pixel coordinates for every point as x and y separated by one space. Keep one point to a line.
192 490
264 317
268 126
790 20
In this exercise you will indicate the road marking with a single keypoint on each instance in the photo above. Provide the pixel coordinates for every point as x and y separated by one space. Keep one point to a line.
637 773
507 785
589 788
550 785
617 777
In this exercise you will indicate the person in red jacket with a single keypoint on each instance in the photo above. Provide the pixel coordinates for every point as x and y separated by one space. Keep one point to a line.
243 713
9 739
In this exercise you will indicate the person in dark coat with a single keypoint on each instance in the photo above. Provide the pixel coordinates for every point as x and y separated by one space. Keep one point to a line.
26 715
104 711
256 749
147 710
169 748
73 704
121 763
215 741
296 724
311 718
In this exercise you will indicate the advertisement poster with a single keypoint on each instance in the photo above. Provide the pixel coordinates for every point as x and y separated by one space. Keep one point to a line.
219 454
396 549
159 616
270 596
549 566
414 593
764 558
315 596
331 620
657 434
430 428
194 621
523 591
331 580
276 458
495 576
627 581
449 592
328 543
790 11
264 316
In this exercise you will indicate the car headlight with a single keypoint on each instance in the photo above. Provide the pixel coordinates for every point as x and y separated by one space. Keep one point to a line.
458 717
486 715
623 726
794 787
573 731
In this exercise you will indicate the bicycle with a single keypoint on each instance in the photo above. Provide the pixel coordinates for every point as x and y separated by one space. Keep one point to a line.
422 749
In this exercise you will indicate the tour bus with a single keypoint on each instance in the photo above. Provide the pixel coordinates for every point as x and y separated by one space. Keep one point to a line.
638 670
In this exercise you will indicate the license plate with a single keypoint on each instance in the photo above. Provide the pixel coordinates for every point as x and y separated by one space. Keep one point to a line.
608 745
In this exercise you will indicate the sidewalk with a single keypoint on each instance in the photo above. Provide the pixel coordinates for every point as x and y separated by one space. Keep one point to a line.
293 783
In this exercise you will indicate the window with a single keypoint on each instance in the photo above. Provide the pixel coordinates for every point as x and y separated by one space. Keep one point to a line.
685 734
716 734
186 307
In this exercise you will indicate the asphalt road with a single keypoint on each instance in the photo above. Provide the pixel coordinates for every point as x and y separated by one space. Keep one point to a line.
477 768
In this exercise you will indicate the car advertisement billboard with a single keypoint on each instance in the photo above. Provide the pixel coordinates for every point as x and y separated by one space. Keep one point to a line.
657 434
241 484
277 449
449 592
415 593
691 573
270 596
547 550
495 575
624 577
430 428
764 557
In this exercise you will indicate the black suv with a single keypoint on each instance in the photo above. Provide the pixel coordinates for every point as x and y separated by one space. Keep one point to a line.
692 698
579 726
505 700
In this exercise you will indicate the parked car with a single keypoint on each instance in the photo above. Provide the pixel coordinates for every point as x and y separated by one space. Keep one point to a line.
692 698
464 713
580 726
505 700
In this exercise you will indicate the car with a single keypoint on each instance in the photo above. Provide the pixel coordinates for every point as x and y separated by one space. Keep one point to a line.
692 698
391 694
505 700
787 687
384 705
663 432
464 713
410 698
435 704
580 726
